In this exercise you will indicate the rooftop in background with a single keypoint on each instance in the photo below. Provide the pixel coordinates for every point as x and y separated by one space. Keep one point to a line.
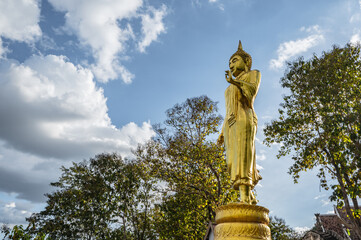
331 227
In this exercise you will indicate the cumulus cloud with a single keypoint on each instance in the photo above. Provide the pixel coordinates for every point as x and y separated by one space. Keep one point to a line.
152 26
52 112
290 49
355 38
25 175
101 27
19 19
14 212
59 103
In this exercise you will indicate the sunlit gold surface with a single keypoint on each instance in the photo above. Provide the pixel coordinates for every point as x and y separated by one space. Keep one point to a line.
238 212
243 220
238 221
240 124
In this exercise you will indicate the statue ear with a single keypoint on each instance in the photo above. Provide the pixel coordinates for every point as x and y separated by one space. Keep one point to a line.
247 64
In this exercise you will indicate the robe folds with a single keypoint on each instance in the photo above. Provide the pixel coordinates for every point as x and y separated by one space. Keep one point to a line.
239 129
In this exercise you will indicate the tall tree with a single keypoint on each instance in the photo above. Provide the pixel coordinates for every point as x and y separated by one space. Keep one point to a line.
320 123
103 198
111 198
191 167
281 231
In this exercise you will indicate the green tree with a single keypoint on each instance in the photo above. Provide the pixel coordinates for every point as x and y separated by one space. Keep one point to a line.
19 233
191 167
103 198
281 231
320 123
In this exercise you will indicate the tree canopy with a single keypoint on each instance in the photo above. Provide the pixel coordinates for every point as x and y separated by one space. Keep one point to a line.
103 198
169 190
281 231
319 123
192 167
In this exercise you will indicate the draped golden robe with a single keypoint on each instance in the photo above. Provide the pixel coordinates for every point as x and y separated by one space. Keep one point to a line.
239 129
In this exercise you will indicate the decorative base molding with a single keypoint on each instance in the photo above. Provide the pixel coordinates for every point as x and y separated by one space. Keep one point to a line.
239 221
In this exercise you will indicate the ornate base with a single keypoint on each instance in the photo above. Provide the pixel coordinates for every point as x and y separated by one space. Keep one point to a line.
238 221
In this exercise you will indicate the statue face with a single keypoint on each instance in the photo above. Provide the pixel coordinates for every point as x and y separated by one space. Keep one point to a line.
237 65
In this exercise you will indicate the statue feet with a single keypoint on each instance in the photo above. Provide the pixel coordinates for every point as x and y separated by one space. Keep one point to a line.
247 195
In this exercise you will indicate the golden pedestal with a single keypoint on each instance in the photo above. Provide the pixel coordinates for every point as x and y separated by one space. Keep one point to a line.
238 221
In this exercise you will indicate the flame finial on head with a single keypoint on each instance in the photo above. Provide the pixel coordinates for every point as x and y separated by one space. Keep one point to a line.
240 46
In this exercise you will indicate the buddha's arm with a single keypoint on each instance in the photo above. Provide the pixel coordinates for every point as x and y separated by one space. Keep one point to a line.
254 76
232 80
249 88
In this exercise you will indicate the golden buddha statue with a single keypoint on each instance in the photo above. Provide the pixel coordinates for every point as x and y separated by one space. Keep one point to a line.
240 124
244 220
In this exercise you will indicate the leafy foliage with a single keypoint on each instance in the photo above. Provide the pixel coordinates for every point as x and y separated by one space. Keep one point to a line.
190 166
320 123
19 233
281 231
104 198
170 191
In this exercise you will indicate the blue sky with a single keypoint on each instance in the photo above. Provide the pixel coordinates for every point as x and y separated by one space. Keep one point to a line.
83 77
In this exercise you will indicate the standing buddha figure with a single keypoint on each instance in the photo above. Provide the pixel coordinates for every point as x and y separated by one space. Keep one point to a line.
240 124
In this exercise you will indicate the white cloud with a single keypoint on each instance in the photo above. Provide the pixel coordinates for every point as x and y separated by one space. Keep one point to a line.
58 103
353 11
261 157
48 43
152 26
290 49
14 213
259 167
355 38
19 19
10 205
355 18
28 176
301 230
267 117
319 196
52 112
212 1
325 202
101 27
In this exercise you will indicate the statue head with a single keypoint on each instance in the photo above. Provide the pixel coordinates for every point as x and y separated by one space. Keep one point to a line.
245 61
